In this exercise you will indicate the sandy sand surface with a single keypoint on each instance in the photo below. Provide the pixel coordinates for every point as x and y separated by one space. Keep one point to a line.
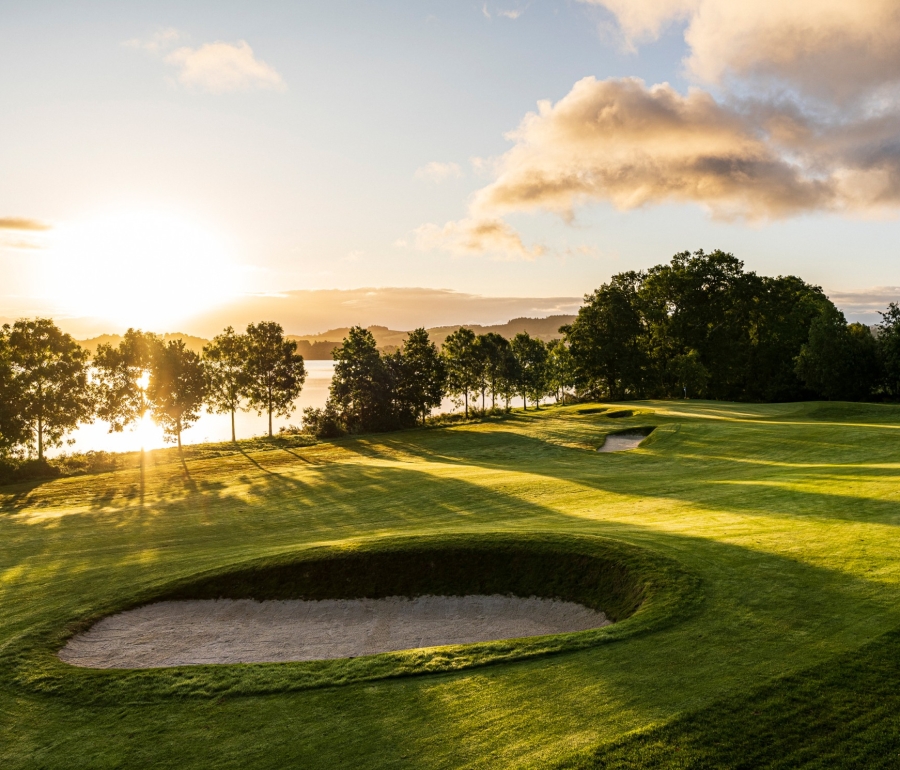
622 442
246 631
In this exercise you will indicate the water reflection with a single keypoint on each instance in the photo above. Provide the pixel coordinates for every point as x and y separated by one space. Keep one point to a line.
210 427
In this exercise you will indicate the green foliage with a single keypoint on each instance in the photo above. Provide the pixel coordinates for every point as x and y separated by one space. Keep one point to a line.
273 371
360 387
224 361
689 374
560 369
176 389
50 386
608 341
13 427
632 335
420 375
323 423
839 362
531 355
889 349
121 378
464 364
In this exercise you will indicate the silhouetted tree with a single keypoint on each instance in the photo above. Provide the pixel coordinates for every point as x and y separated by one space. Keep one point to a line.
224 359
839 361
51 382
560 369
176 389
607 339
889 349
122 374
360 388
274 371
423 375
463 363
494 348
13 428
689 374
531 353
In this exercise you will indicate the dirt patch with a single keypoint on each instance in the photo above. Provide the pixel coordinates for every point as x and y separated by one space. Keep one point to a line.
194 632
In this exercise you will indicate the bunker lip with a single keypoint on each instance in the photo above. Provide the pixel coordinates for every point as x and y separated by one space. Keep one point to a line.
198 632
625 440
638 589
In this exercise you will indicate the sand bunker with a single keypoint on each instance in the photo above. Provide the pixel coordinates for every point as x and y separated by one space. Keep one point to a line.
181 633
622 442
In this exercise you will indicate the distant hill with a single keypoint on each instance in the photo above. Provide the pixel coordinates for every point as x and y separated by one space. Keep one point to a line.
318 347
192 343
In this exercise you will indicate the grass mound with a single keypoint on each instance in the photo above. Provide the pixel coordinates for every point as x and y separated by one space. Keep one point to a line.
623 581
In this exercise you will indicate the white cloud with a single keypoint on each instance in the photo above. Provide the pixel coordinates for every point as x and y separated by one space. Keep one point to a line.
476 236
216 67
157 42
825 48
219 67
438 172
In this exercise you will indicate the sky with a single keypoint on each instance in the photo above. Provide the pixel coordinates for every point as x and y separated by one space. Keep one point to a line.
161 160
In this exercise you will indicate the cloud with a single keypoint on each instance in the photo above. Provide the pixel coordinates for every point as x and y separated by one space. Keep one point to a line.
476 236
158 42
438 172
795 109
825 48
215 67
219 67
21 223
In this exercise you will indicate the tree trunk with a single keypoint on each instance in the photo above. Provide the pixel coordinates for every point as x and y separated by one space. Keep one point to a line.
270 413
466 397
233 439
524 402
40 438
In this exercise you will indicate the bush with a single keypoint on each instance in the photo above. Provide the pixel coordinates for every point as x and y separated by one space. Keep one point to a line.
322 423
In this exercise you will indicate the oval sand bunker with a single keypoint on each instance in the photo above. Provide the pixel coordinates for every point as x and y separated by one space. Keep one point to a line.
195 632
622 442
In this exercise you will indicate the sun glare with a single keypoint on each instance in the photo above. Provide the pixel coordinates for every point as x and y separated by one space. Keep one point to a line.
146 269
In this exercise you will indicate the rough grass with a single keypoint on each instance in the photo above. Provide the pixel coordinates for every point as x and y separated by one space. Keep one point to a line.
786 515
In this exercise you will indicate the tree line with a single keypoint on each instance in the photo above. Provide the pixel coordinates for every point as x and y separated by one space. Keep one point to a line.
375 391
48 385
703 327
700 327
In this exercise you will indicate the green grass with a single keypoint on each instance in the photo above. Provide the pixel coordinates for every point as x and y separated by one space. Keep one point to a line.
774 527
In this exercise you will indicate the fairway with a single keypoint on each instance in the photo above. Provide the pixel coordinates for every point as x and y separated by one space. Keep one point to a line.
769 534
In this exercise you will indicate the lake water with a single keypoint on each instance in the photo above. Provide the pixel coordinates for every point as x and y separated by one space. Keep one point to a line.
210 427
217 427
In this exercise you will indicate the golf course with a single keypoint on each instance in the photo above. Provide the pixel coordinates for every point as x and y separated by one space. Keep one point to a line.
748 556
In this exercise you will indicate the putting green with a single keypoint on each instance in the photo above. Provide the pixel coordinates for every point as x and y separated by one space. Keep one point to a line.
771 529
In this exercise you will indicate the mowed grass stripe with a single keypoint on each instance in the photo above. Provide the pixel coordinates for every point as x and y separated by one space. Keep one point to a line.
785 513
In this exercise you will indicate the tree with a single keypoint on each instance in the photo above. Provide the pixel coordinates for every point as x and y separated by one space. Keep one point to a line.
50 372
531 354
463 364
689 374
839 362
274 371
494 350
423 375
560 369
607 339
360 388
13 428
176 389
889 349
224 359
121 377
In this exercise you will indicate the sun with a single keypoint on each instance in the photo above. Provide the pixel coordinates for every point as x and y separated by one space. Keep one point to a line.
146 269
